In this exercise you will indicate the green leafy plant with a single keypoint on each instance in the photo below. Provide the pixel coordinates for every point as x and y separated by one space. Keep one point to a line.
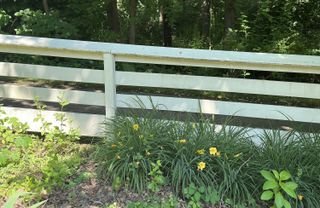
14 140
157 179
36 163
276 185
41 24
4 19
196 195
154 202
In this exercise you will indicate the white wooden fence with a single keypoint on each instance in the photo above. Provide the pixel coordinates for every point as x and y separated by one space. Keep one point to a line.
112 53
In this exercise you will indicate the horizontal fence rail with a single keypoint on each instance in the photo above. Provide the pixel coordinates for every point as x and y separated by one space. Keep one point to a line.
111 53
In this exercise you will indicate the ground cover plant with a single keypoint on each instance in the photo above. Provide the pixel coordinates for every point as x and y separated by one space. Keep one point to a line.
206 167
35 163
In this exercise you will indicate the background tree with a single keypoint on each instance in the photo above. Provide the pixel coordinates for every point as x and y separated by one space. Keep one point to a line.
263 25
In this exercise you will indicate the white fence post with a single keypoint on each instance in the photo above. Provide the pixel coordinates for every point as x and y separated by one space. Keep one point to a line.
109 85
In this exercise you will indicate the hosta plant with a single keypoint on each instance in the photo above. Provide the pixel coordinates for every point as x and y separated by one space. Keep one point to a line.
278 187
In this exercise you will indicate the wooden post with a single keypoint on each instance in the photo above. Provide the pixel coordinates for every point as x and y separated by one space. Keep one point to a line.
110 85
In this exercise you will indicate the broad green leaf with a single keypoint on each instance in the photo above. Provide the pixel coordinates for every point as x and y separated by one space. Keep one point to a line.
5 154
292 185
267 175
288 190
3 158
191 189
202 189
23 141
214 197
284 175
270 185
197 196
276 174
286 204
278 200
266 195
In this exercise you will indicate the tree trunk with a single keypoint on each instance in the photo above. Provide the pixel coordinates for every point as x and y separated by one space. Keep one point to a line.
166 27
229 15
132 27
45 6
113 16
206 19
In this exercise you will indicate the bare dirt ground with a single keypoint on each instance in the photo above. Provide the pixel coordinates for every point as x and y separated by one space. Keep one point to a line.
92 192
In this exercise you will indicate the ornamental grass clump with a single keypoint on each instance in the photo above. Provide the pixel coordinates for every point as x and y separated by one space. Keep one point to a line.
130 146
188 161
194 153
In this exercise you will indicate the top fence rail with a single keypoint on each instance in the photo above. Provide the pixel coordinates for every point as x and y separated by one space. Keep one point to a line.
160 55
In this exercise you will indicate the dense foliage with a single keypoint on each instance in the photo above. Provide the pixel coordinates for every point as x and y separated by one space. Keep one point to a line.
36 163
250 25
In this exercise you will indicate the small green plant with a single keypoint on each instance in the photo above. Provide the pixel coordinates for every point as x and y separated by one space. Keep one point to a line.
157 178
212 196
14 141
196 195
154 202
276 185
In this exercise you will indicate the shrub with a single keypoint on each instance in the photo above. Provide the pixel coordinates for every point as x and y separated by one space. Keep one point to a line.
37 23
36 163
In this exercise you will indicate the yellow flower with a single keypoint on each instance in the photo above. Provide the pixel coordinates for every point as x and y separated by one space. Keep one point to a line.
182 141
213 150
201 166
113 145
148 153
118 157
200 151
300 197
135 127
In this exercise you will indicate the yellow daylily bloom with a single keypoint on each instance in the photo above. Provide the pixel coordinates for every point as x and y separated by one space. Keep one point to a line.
182 141
201 166
200 151
135 127
213 150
